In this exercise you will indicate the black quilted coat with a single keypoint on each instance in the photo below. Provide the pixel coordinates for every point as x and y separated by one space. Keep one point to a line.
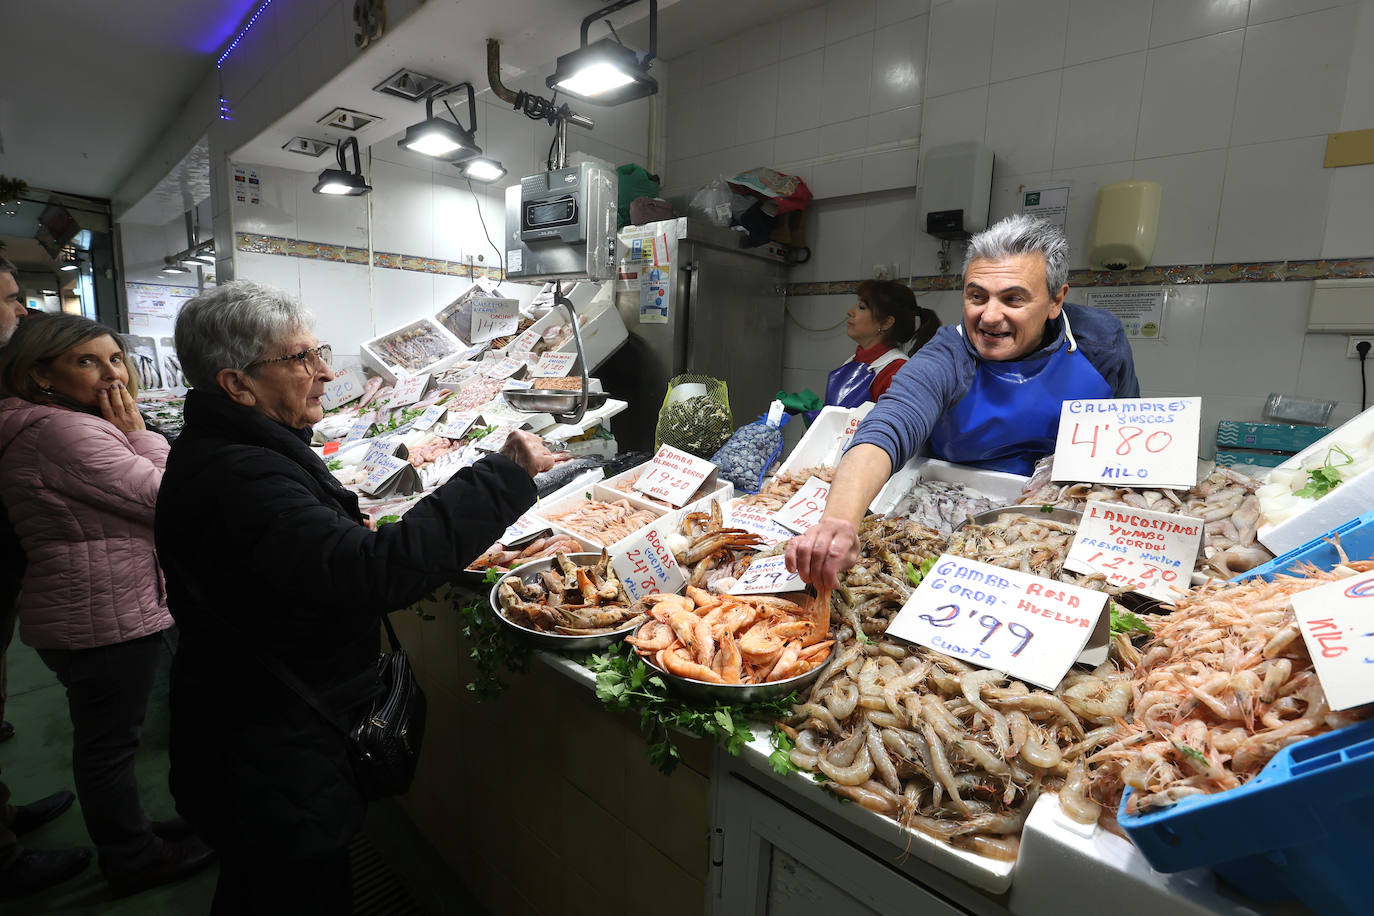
264 551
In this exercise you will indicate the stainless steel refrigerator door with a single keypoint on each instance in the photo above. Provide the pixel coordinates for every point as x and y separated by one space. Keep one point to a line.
735 323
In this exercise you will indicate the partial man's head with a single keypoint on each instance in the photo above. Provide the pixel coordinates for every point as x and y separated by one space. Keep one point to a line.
1015 280
11 302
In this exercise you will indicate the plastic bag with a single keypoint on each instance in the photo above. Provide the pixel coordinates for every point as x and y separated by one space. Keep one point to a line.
712 203
695 417
752 450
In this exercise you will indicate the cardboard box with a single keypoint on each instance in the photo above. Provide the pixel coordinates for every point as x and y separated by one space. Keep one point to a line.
1275 437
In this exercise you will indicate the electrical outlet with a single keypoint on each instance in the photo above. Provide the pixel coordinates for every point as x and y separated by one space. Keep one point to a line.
882 272
1352 342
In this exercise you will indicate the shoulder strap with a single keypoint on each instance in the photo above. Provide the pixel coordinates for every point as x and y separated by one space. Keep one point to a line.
891 356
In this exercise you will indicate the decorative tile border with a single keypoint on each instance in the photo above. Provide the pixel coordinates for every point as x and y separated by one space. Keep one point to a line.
323 251
1169 275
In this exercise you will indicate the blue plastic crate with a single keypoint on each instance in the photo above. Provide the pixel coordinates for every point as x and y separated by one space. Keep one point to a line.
1356 539
1303 828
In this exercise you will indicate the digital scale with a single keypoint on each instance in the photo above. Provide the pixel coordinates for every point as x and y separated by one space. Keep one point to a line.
561 225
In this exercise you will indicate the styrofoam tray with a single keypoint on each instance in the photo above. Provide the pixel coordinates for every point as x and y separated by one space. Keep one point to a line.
826 439
604 330
380 362
1342 504
549 507
703 498
993 484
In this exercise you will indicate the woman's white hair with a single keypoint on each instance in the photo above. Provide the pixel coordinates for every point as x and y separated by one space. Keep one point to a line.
1024 234
232 325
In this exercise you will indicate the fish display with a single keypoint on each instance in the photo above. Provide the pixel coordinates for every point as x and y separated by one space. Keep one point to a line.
941 505
602 522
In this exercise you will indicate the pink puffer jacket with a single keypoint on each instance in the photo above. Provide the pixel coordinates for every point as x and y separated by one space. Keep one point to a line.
81 495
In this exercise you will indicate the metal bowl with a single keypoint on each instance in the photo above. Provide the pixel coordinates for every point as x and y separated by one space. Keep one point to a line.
735 693
551 400
987 516
556 641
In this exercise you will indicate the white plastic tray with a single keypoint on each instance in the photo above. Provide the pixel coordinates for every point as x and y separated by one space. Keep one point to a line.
826 439
701 503
381 363
995 484
551 506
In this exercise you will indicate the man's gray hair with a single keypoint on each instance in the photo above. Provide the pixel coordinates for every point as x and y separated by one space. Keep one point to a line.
7 267
1024 234
232 325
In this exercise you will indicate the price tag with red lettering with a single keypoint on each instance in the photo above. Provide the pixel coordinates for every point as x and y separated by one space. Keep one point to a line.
758 521
768 576
674 476
805 507
409 389
523 343
1028 626
1152 553
1337 623
554 365
646 565
1131 442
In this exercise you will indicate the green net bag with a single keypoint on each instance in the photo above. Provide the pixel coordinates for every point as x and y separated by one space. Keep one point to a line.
695 417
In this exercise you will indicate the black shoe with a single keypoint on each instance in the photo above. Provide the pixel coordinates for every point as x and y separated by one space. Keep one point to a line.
35 869
175 829
6 731
36 814
177 860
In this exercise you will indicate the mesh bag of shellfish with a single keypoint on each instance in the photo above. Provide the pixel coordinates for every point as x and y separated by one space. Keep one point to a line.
753 449
695 417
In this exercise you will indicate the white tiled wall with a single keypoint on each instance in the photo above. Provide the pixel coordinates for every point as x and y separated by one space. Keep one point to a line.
1226 103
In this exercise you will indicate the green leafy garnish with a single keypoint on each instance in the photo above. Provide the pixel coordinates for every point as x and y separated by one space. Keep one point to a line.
479 432
492 576
334 464
1126 622
1326 478
493 651
914 575
1047 509
781 758
626 684
387 520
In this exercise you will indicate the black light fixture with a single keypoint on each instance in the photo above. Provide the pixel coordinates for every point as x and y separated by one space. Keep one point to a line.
482 168
69 262
606 72
443 139
341 181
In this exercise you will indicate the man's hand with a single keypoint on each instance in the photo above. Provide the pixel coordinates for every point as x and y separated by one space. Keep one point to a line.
120 408
827 549
528 451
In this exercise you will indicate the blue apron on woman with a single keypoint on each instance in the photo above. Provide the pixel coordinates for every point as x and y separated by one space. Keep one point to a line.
848 386
1010 416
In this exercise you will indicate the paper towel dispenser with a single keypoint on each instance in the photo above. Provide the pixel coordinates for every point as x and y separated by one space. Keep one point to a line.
955 190
1342 307
1125 225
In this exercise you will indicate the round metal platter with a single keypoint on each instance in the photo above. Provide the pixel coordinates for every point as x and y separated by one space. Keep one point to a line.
551 400
989 516
732 693
556 641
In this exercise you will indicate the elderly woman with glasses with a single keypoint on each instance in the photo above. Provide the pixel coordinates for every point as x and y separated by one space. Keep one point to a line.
267 558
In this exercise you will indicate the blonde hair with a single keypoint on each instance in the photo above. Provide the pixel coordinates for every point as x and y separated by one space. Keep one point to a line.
39 340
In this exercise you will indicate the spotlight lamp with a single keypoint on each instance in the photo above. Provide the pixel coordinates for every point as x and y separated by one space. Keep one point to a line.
441 139
606 72
169 266
341 181
483 169
69 263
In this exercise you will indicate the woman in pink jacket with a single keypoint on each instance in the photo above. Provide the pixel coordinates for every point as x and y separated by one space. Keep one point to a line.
79 474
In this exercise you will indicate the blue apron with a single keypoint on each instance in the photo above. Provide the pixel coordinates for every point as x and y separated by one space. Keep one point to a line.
848 386
1010 416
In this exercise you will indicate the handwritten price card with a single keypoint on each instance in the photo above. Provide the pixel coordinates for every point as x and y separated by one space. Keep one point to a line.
1028 626
1146 442
758 521
379 471
493 317
674 476
409 389
524 343
554 365
1148 552
1337 623
380 448
360 426
524 525
646 565
504 367
805 507
768 576
346 386
431 416
457 425
493 440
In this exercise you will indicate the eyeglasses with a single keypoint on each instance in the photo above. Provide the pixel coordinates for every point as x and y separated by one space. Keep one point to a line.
323 355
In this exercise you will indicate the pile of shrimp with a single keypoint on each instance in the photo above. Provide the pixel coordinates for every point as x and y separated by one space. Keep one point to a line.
730 639
715 555
782 487
569 599
601 522
1027 543
956 752
498 556
874 589
1223 685
1224 499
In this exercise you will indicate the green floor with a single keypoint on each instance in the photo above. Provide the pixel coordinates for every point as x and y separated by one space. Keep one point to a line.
37 761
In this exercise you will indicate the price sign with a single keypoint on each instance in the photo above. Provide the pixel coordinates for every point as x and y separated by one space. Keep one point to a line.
525 524
1028 626
431 416
1134 442
493 440
492 317
360 426
805 507
504 367
768 577
758 521
380 471
674 476
646 565
523 343
515 384
554 365
409 389
1336 621
379 449
1148 552
457 425
346 386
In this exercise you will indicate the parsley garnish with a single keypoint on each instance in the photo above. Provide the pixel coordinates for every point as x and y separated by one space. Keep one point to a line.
781 758
915 575
493 650
334 464
1325 478
387 520
1126 622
